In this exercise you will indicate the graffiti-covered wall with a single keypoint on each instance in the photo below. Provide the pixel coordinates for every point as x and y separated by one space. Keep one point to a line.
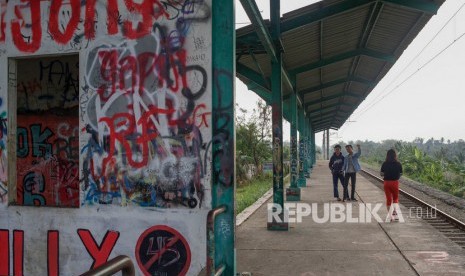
105 111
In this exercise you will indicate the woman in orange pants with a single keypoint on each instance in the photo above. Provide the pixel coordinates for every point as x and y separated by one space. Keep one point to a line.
391 170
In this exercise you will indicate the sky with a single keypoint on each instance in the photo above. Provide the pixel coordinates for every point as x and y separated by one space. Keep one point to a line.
423 94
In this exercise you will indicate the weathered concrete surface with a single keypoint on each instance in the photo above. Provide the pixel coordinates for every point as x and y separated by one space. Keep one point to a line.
373 248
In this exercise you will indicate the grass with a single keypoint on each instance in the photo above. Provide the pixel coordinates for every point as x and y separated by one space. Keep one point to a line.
247 195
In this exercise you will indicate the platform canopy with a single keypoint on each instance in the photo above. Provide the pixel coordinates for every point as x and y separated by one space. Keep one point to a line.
334 52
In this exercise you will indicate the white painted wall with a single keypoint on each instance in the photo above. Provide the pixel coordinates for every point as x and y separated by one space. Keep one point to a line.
144 131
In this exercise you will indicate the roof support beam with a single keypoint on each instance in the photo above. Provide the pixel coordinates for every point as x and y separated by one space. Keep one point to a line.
288 80
326 12
266 96
271 46
334 83
324 117
344 56
351 110
258 85
320 113
321 117
262 93
259 68
325 108
324 128
316 16
253 76
324 124
328 122
429 7
336 96
370 23
261 30
342 7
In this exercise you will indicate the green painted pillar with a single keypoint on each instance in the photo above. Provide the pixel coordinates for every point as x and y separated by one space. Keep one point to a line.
306 149
311 142
302 182
277 122
293 192
309 150
313 148
221 243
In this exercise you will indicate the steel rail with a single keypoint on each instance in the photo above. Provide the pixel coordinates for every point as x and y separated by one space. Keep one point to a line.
446 216
120 263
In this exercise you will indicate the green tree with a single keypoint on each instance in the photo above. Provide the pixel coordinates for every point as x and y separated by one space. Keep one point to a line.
253 138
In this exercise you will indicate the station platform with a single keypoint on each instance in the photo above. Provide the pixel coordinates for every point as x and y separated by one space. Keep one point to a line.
412 247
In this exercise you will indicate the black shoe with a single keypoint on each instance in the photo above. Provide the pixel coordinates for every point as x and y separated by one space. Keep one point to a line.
353 199
338 199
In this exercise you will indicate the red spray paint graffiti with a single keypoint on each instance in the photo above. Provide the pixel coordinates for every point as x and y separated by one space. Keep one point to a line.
4 252
47 164
99 253
2 21
53 24
168 68
34 41
28 15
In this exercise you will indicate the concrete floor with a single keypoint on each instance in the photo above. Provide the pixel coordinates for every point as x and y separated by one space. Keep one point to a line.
373 248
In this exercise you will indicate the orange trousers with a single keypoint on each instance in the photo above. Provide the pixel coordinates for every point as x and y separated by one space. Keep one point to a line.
391 189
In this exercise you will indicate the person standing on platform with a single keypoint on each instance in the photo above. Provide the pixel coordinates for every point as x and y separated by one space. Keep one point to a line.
391 170
350 168
335 165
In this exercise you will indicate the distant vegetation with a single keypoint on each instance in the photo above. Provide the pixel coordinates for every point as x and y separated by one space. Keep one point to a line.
437 163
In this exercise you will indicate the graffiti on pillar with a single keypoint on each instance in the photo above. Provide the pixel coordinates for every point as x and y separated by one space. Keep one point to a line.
148 114
223 141
277 156
301 156
3 158
293 152
307 157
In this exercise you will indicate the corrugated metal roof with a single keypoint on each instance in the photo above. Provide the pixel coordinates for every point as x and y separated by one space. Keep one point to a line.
337 51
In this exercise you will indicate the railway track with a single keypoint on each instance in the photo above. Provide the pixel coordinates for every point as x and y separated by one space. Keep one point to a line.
452 228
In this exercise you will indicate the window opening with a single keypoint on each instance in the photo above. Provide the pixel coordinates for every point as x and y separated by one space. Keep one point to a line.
47 137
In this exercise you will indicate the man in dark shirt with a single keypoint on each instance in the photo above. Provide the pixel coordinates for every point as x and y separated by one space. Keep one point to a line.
335 165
